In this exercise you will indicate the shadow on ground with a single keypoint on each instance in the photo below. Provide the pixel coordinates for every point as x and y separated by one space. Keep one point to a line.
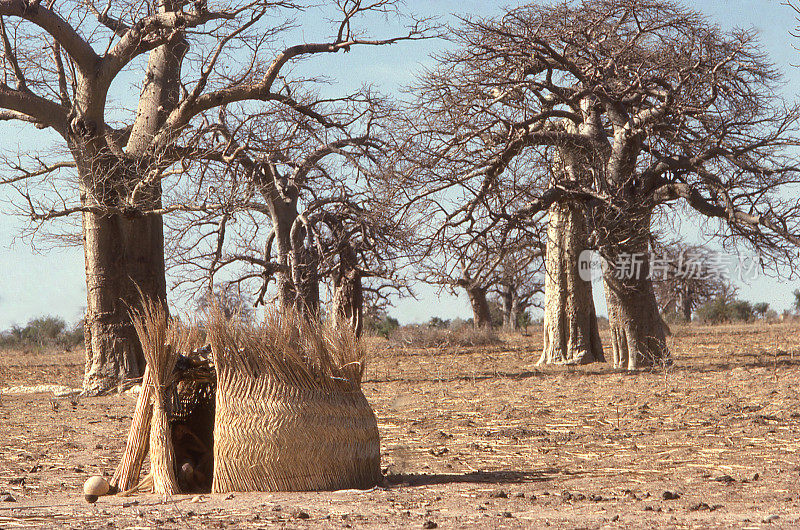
475 477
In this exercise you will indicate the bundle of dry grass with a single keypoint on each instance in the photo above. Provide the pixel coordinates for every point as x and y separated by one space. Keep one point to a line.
162 340
126 476
290 414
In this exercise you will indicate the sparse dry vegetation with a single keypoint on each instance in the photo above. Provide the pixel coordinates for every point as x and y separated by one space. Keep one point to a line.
421 336
465 430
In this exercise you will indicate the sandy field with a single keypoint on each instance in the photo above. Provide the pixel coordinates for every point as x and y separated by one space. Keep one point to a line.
470 437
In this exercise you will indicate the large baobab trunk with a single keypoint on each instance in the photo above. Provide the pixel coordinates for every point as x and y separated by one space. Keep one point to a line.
638 333
482 317
124 254
509 302
570 324
348 302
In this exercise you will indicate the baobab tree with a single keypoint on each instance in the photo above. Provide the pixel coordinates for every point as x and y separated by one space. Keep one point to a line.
64 58
571 335
304 207
676 110
687 276
518 284
479 263
473 274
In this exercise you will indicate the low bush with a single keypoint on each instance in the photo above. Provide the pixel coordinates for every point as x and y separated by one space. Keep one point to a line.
382 326
721 310
43 331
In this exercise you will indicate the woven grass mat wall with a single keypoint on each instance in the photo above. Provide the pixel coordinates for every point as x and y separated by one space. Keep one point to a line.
290 414
272 437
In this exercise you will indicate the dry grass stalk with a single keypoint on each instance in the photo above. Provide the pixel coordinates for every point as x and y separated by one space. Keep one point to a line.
162 340
290 414
127 473
290 349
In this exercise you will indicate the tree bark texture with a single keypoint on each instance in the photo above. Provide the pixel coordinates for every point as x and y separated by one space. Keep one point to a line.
124 254
570 324
482 317
123 257
638 333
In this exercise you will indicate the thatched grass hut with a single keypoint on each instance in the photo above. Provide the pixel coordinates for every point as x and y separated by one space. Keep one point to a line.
288 414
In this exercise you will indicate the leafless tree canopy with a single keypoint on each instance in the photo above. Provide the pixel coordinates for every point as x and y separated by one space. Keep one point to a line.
689 276
300 202
60 61
680 110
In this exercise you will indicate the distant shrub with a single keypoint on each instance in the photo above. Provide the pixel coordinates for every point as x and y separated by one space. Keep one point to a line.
760 309
43 331
524 320
427 337
438 323
673 317
458 323
382 326
713 312
721 310
741 311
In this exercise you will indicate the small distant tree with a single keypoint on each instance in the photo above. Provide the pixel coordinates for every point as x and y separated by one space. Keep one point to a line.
741 311
720 310
685 280
797 300
713 312
44 329
438 323
520 282
760 309
523 320
229 300
378 323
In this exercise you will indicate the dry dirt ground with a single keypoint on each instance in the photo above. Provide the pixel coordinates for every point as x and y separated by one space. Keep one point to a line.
472 437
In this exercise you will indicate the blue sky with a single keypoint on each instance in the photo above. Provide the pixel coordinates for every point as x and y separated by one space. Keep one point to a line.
50 281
